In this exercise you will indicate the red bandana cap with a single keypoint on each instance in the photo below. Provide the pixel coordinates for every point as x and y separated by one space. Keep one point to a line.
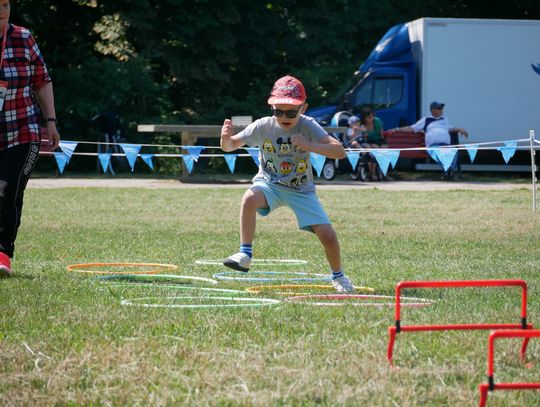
287 91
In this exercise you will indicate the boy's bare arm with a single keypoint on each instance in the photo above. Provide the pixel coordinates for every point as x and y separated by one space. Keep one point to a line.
229 141
327 146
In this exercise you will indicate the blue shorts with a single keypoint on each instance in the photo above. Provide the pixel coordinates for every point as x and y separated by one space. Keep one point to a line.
305 205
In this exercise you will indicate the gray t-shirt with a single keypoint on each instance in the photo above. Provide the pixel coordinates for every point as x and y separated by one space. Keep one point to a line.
280 161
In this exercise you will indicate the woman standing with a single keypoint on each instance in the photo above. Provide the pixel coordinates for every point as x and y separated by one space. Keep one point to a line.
24 84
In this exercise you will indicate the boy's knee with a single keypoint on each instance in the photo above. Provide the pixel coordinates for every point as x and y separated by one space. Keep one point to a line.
326 234
253 199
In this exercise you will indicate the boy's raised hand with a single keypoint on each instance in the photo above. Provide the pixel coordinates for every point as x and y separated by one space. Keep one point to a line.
227 131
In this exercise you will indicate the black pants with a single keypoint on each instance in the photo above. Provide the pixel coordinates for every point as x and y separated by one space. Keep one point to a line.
16 164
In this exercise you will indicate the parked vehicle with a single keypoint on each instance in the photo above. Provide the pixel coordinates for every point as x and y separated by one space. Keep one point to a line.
487 72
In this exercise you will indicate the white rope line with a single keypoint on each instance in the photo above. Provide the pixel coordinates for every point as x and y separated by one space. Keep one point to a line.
477 146
459 146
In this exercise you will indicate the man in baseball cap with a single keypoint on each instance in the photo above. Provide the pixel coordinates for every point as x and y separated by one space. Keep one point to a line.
436 105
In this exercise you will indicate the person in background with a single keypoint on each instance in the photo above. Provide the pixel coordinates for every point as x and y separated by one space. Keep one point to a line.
285 176
437 129
374 137
355 133
24 84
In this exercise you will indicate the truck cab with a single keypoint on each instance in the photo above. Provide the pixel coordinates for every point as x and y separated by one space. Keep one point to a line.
386 81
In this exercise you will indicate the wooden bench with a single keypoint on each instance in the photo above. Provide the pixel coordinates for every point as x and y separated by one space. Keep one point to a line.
407 140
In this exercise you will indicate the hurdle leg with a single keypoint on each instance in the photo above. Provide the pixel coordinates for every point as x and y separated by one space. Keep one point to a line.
484 389
523 349
390 351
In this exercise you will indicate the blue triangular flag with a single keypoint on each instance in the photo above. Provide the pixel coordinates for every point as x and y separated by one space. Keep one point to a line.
472 149
188 161
230 159
385 158
446 156
61 160
508 150
68 147
194 151
254 152
317 161
433 153
105 161
131 151
353 157
393 155
147 158
382 159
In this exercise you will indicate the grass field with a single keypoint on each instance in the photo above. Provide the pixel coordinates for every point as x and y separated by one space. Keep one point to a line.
66 340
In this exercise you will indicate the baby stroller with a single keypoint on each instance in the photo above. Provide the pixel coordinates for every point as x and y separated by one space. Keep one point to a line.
332 166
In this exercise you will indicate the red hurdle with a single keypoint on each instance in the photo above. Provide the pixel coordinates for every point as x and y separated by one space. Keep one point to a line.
393 330
491 386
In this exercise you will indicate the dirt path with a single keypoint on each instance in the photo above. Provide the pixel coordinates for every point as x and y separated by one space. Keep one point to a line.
423 185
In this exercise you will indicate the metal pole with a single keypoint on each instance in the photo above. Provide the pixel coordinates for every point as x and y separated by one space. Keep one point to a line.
533 168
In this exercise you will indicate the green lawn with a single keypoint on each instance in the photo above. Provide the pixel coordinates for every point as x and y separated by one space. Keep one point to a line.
65 338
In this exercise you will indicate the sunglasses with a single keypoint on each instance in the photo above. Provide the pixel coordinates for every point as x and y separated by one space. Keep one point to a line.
290 114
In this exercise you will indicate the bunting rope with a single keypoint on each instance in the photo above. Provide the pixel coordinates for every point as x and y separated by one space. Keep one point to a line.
385 157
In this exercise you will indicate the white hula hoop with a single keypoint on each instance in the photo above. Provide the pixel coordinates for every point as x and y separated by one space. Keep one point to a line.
270 262
149 277
240 276
240 302
177 287
409 301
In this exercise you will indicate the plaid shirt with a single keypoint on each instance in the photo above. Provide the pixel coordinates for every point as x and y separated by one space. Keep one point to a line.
24 70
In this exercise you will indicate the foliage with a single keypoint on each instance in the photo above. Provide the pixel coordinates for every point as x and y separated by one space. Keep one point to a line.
199 61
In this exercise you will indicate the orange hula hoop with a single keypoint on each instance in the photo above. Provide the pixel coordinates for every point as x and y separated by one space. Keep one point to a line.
83 268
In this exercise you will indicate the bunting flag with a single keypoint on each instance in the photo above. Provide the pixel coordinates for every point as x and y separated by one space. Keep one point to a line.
254 152
67 148
446 156
61 160
188 161
317 161
385 158
131 151
433 154
194 151
353 157
508 150
230 159
472 149
105 161
147 158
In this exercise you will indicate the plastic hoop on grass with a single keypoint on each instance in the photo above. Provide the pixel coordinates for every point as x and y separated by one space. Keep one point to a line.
267 262
236 302
154 268
177 287
156 277
236 276
406 301
293 289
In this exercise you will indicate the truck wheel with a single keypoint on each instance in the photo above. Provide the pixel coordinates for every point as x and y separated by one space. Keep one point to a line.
329 170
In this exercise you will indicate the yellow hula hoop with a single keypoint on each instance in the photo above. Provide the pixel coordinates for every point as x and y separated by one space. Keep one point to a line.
293 288
83 268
